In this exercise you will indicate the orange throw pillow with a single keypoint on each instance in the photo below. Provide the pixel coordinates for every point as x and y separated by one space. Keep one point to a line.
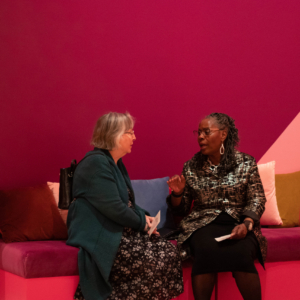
30 214
288 198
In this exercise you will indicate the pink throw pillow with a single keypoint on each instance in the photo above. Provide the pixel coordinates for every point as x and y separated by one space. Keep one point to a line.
54 187
271 214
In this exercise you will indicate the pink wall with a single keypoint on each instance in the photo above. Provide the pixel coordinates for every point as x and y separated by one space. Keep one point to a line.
286 149
64 63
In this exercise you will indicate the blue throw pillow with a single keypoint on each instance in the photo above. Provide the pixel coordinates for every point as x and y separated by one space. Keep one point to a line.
151 195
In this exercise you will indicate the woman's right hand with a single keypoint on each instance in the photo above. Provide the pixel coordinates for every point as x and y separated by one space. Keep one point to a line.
177 184
149 221
148 225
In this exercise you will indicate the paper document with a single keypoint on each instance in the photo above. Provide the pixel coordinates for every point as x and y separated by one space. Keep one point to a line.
154 223
222 238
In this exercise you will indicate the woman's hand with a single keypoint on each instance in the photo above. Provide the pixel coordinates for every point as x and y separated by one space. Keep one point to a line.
155 232
177 184
149 221
239 232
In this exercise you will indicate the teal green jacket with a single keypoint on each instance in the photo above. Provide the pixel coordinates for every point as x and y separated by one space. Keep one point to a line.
97 217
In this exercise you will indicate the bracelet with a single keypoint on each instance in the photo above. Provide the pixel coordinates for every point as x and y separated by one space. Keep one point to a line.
176 196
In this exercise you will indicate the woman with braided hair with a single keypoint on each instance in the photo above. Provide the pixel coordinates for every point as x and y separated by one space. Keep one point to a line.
228 199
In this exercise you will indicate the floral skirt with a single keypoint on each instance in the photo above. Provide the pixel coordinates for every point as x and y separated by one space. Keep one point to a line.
145 268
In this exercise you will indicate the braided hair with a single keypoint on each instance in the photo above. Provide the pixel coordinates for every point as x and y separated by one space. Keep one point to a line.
224 122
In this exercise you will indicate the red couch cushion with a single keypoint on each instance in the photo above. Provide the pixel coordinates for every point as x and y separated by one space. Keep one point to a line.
39 259
283 244
54 258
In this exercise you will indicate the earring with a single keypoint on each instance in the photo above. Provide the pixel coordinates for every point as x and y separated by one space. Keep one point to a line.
222 149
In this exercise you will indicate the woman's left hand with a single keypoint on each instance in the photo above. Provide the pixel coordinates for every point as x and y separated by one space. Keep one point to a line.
155 232
239 232
149 221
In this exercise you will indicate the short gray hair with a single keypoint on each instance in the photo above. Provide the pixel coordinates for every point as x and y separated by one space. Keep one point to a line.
109 129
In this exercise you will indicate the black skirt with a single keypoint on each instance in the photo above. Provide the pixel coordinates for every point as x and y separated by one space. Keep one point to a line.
211 256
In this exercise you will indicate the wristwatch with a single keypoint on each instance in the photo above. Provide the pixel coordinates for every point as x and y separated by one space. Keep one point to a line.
249 225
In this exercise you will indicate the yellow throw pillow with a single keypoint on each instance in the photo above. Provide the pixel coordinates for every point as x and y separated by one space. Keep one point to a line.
288 198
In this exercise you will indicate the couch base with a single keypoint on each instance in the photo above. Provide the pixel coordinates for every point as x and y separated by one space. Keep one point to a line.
279 281
14 287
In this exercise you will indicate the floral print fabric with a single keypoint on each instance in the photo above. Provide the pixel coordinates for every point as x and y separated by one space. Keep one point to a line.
144 268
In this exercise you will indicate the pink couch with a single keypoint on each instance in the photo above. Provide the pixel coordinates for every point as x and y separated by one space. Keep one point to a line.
48 270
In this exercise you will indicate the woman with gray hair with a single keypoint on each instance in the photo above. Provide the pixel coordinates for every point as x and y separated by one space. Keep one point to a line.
117 258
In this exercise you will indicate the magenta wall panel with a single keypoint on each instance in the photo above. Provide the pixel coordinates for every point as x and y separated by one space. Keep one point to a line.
169 63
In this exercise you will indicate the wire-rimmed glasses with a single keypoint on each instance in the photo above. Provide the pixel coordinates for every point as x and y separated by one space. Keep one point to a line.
206 132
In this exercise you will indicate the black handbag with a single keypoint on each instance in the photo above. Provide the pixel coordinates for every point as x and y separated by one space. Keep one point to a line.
65 185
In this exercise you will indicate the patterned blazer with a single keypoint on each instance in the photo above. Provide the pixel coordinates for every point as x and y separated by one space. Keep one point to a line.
239 193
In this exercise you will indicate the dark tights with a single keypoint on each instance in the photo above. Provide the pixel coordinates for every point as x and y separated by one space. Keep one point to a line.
203 285
247 283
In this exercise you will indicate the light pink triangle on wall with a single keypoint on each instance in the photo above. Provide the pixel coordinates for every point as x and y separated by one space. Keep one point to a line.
286 149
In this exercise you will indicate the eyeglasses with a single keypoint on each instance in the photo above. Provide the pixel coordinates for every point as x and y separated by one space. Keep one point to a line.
206 132
130 132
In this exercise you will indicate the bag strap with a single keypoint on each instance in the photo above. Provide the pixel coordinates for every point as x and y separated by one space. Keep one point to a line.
74 160
74 166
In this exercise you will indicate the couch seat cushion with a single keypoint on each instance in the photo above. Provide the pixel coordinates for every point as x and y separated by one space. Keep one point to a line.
283 244
35 259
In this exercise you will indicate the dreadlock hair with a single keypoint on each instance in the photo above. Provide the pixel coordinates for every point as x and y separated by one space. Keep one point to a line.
224 122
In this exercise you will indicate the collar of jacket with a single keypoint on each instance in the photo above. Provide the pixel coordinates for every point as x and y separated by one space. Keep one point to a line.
119 165
209 170
106 153
214 171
